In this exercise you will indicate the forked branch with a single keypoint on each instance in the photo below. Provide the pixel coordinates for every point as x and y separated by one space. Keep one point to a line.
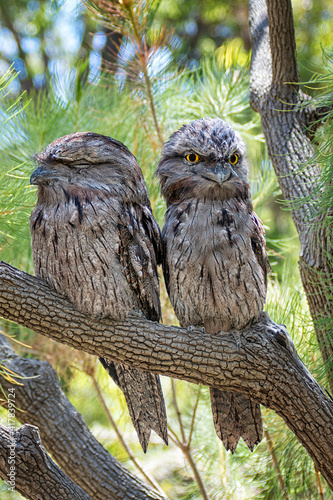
27 468
288 127
40 401
260 362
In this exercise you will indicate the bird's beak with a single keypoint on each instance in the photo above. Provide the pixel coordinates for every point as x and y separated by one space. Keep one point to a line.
42 174
218 174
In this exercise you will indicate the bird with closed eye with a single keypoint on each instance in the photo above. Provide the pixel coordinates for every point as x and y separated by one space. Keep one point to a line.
95 240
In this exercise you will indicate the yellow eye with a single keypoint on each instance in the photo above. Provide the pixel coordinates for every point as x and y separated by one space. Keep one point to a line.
192 158
233 159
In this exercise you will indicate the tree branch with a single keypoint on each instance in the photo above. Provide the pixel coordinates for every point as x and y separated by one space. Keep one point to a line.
281 29
282 122
26 466
149 479
260 362
41 402
285 123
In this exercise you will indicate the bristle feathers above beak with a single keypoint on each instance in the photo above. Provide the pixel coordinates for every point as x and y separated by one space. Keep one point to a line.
218 174
43 173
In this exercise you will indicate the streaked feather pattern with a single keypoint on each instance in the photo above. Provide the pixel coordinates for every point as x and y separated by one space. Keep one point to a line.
95 240
215 261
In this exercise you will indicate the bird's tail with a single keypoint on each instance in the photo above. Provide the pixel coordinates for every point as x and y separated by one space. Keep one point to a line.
144 398
236 416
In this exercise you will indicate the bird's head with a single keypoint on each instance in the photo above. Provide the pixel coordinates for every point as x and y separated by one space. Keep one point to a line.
86 161
204 159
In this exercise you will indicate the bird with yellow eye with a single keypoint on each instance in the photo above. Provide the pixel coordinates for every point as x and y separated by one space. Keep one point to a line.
194 158
215 261
233 159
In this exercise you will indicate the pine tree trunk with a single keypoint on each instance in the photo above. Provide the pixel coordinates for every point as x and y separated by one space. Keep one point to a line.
275 95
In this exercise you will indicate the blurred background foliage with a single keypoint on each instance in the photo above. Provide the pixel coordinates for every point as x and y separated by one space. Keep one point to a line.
46 37
65 67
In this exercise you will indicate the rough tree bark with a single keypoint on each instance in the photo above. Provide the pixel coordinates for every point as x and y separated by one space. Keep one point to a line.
41 402
287 128
260 362
36 475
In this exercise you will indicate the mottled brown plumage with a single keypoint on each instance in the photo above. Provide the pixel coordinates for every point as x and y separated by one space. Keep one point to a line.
215 262
94 239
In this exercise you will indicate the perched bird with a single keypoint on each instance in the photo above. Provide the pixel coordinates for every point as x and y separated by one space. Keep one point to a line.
95 240
215 261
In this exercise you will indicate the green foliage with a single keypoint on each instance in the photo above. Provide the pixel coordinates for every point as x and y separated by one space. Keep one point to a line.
120 109
215 89
41 37
286 304
45 36
324 141
15 202
203 26
313 30
322 209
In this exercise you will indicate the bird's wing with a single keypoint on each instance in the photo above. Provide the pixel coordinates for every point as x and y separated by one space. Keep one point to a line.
140 241
259 244
139 253
165 266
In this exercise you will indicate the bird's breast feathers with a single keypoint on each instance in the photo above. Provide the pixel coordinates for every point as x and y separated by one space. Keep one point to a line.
75 248
213 270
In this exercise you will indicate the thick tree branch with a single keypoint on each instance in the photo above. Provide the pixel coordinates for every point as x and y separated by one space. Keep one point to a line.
260 362
284 64
275 100
41 402
260 81
286 127
25 464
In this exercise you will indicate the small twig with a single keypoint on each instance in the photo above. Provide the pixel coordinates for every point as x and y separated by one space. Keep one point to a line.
184 445
187 453
143 58
127 449
320 486
174 437
276 464
175 404
196 473
194 415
